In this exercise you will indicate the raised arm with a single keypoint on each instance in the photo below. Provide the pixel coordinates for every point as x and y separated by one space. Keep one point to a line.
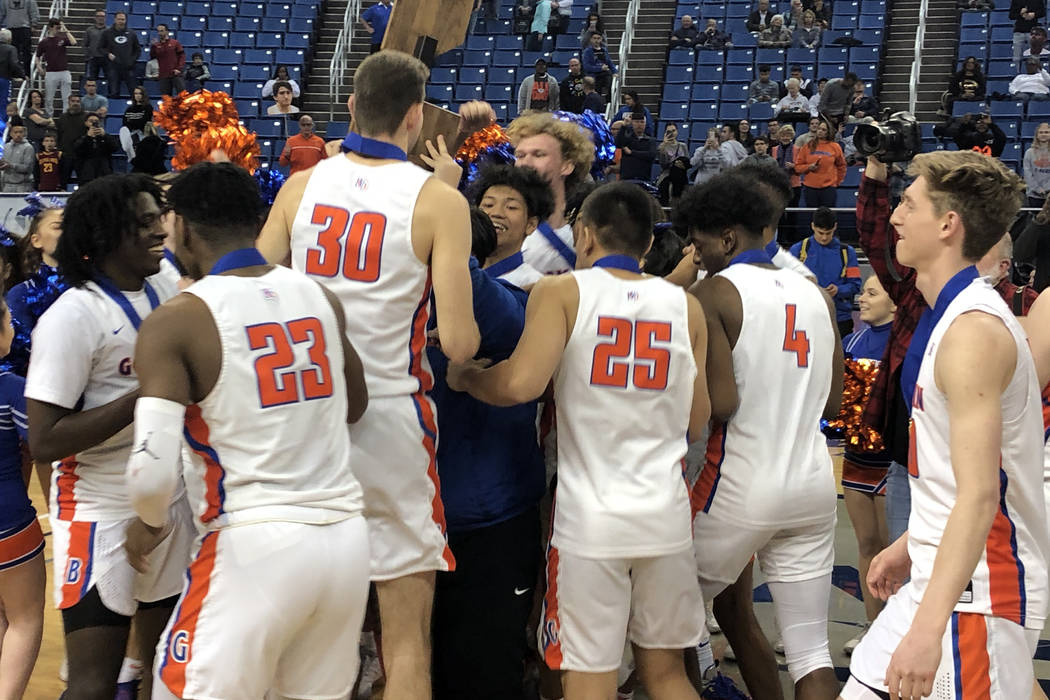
877 236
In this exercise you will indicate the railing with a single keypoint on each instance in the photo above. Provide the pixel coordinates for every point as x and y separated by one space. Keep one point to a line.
341 57
916 64
60 9
625 48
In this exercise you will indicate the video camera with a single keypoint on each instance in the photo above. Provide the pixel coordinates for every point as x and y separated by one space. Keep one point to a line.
899 138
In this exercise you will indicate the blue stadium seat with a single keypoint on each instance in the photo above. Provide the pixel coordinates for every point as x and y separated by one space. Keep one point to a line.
674 111
743 40
194 24
242 40
1001 69
680 57
701 111
336 130
975 19
567 42
738 73
277 10
169 7
273 25
869 37
679 74
304 11
509 43
733 111
228 57
498 93
740 57
138 22
760 111
506 59
709 74
1012 153
703 92
245 91
845 199
258 57
141 7
503 76
773 57
216 40
114 6
270 40
865 71
290 57
852 179
502 110
776 72
959 108
443 76
223 72
113 124
1011 126
222 14
562 58
301 25
1007 109
202 9
191 40
832 55
268 127
710 58
1028 129
873 7
255 74
117 108
677 92
980 52
253 10
246 24
1000 51
248 108
801 56
864 54
735 92
843 22
439 93
998 85
873 21
1000 18
1039 109
1002 34
480 43
474 76
973 35
477 59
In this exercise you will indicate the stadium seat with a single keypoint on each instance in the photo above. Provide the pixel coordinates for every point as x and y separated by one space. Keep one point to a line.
959 108
710 58
503 76
974 19
252 10
502 112
466 93
706 92
290 57
510 43
245 91
674 111
475 76
246 24
852 179
740 73
679 74
740 57
242 40
477 59
795 56
295 41
760 111
845 199
438 93
677 92
873 21
1001 35
1039 109
247 108
499 93
680 57
301 25
832 55
701 111
732 111
973 35
1007 109
773 57
506 59
1000 51
1001 69
1012 153
480 43
1028 129
113 6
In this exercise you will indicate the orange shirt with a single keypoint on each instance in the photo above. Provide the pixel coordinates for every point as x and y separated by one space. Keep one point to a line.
302 152
831 166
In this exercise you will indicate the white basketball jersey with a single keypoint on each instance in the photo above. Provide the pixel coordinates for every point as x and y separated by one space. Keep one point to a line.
270 441
624 390
83 348
550 250
769 465
353 234
1010 580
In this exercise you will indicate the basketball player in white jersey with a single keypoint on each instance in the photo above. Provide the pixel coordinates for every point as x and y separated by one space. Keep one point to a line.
619 346
379 232
252 367
967 623
80 392
774 368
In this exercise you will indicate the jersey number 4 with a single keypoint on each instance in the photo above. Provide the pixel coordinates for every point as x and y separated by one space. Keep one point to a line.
612 360
277 387
362 251
795 341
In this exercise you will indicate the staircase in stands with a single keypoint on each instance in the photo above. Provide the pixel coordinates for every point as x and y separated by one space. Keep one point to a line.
648 54
316 102
78 18
614 15
937 54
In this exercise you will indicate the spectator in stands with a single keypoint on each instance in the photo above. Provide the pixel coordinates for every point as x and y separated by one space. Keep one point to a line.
198 73
36 119
593 25
18 163
759 19
709 159
814 101
20 16
279 75
1037 167
47 175
794 106
637 148
834 263
1032 84
776 35
822 13
541 18
807 35
762 89
1033 246
677 179
733 150
90 100
598 65
1036 44
1025 14
304 150
805 85
122 49
669 149
133 127
94 57
862 105
771 130
967 84
822 166
633 103
54 63
793 17
282 100
171 62
761 154
784 154
686 35
10 67
94 151
538 91
150 153
374 20
592 99
743 135
564 9
70 127
814 125
974 132
836 96
571 89
713 38
997 264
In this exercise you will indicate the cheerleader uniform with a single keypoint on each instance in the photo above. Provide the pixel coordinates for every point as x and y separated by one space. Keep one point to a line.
866 471
20 536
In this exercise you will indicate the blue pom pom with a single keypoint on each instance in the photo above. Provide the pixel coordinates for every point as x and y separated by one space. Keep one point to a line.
269 181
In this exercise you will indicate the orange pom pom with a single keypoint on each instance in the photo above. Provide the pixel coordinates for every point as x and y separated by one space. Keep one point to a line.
480 140
856 389
205 121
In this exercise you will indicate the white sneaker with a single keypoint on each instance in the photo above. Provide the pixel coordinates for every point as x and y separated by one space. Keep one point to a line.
712 624
849 646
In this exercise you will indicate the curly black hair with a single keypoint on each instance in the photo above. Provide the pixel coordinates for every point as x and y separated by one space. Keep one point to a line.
97 218
621 215
538 196
218 201
482 235
725 201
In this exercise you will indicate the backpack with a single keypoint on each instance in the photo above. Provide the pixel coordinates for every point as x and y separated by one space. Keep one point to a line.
803 253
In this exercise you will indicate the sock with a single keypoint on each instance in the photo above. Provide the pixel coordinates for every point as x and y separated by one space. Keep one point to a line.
705 657
130 670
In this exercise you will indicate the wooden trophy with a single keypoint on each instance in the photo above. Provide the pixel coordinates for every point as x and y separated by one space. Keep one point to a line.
426 29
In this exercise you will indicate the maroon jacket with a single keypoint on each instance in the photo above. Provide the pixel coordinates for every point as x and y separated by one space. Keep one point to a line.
170 57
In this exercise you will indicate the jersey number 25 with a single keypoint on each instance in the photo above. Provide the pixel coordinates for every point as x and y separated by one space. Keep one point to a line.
277 387
631 341
362 251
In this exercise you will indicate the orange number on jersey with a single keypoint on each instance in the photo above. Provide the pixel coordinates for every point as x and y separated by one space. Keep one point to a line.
362 253
607 371
279 388
794 340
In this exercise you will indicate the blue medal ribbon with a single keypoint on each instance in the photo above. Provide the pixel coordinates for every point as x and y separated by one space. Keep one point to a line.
619 262
558 244
505 265
243 257
755 255
372 148
107 285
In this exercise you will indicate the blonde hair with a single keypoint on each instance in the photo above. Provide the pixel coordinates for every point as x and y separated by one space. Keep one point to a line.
577 145
786 129
979 188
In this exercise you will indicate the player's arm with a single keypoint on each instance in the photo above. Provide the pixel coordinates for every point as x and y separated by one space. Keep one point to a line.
700 413
444 211
56 432
788 261
353 370
838 359
524 376
713 293
1037 324
275 238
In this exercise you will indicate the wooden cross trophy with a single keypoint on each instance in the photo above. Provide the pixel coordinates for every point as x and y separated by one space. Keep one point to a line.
426 29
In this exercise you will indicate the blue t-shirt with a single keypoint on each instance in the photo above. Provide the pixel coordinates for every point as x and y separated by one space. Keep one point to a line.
378 16
827 264
15 507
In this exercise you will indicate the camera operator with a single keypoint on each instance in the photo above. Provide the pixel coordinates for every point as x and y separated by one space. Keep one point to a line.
974 132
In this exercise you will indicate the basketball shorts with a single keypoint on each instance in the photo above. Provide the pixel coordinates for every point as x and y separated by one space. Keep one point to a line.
866 479
91 554
593 605
981 656
270 605
21 543
785 555
393 455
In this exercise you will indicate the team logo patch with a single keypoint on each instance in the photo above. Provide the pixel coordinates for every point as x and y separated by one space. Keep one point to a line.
632 295
74 567
550 633
269 295
916 400
125 367
179 649
361 183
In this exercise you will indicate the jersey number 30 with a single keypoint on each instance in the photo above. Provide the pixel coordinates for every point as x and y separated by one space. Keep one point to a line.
277 388
362 252
795 341
612 360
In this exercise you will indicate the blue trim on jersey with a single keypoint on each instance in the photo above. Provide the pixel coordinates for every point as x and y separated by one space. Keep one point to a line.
111 290
89 564
498 269
214 456
558 244
619 262
1003 483
956 658
243 257
754 256
372 148
718 474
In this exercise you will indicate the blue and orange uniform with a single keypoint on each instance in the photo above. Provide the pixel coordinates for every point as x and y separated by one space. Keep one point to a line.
20 536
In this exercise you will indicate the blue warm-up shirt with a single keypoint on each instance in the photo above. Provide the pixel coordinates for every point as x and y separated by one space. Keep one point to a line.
825 261
378 16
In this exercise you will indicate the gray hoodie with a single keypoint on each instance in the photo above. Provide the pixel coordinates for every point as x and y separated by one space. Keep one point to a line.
93 42
1037 171
15 14
21 162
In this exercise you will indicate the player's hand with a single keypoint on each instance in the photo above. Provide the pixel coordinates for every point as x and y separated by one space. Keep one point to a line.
889 569
140 540
442 163
832 290
913 665
333 148
458 373
475 115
